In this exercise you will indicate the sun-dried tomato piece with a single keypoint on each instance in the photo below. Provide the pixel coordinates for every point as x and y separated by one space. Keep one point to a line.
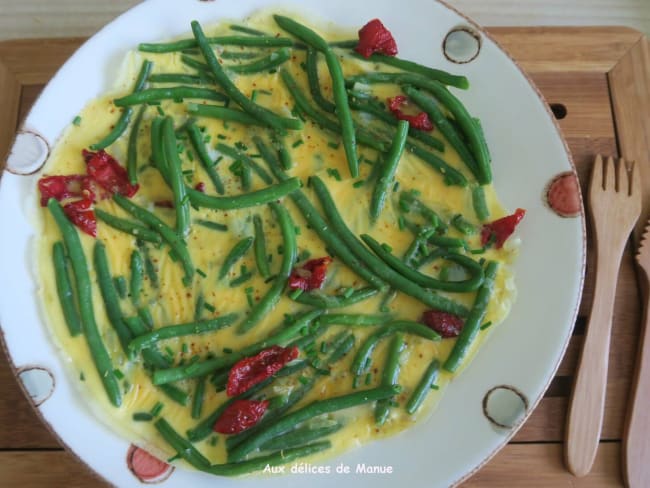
240 415
311 275
419 121
108 173
250 371
499 230
375 38
446 324
63 187
82 215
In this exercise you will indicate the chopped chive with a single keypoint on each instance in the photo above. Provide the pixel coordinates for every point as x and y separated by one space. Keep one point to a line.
82 377
185 348
221 136
368 378
126 386
241 146
358 183
295 293
201 272
227 350
486 325
334 145
435 387
249 296
303 380
334 173
213 440
76 121
198 308
142 417
387 247
175 457
323 347
161 112
298 143
188 172
118 374
401 222
355 382
209 307
157 408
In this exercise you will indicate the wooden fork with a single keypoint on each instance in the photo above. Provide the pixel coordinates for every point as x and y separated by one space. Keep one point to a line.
615 205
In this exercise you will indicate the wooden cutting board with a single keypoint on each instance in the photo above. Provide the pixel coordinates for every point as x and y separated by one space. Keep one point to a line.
597 81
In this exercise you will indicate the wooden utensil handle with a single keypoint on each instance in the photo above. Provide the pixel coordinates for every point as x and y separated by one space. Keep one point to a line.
585 418
636 439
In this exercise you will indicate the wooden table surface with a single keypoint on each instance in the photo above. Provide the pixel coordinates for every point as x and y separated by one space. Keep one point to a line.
602 78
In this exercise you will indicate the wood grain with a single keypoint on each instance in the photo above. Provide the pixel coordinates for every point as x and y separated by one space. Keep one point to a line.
581 77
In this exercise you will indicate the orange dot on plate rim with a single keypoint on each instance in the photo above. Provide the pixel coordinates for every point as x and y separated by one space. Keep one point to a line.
146 467
563 195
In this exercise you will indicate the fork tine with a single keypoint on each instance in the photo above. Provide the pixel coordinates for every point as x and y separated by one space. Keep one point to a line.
635 178
611 176
597 172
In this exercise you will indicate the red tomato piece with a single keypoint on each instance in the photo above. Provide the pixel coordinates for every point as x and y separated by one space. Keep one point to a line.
82 215
375 38
250 371
311 275
241 415
64 187
200 186
446 324
419 121
108 173
499 230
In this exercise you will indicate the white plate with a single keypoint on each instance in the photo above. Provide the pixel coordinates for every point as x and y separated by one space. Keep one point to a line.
523 353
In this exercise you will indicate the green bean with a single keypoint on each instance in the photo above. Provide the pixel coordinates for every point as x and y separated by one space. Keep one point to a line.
259 197
149 267
123 122
445 127
388 170
451 175
389 376
145 314
196 137
208 224
235 254
195 370
342 349
222 113
353 319
170 93
260 248
120 286
137 276
311 410
157 153
431 73
381 113
180 78
296 395
479 152
237 155
111 299
84 295
480 204
271 298
300 436
408 200
132 148
181 202
64 290
273 60
318 299
326 123
423 387
395 279
247 30
473 322
240 54
473 268
167 233
283 153
258 41
343 112
204 428
180 330
462 225
362 358
317 223
314 83
182 447
197 400
268 118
